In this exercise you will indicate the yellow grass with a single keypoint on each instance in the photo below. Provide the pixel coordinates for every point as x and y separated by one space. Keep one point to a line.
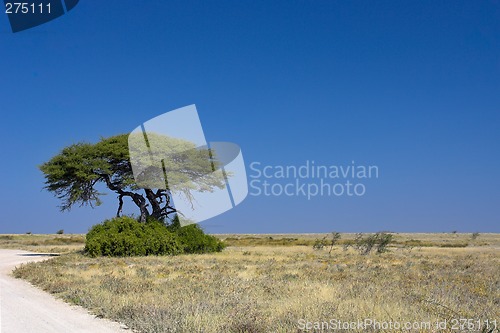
43 243
276 288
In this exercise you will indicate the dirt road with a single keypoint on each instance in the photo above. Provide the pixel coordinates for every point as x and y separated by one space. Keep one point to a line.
26 309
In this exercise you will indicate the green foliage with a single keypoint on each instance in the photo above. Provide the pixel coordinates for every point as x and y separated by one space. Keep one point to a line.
74 174
188 168
125 236
194 240
60 232
378 241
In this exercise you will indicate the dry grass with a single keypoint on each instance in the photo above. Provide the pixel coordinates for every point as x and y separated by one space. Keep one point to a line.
43 243
270 288
399 239
69 243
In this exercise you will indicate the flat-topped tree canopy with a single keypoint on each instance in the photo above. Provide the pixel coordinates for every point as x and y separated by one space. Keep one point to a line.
74 173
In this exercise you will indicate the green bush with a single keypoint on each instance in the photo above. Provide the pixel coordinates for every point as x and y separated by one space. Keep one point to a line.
125 236
194 240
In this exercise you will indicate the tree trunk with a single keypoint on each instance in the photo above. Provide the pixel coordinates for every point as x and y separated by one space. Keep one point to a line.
144 215
153 199
143 206
138 199
120 205
161 204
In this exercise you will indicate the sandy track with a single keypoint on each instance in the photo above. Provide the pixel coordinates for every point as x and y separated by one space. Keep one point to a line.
26 309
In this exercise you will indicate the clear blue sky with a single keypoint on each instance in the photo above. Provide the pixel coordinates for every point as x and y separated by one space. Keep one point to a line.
412 87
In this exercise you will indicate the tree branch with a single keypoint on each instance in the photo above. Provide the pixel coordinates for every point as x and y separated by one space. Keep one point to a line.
120 205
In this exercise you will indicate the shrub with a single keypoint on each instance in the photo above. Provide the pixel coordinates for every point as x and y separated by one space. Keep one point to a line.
194 240
378 241
60 232
383 241
365 245
125 236
319 244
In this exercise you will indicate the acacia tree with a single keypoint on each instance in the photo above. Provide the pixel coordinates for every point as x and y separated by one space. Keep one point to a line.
77 170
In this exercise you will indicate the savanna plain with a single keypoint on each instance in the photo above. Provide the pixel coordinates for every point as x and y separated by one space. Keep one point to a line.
282 283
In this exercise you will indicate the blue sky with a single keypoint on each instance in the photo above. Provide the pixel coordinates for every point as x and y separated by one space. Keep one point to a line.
412 87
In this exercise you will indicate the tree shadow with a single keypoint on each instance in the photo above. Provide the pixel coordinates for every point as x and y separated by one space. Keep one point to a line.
39 254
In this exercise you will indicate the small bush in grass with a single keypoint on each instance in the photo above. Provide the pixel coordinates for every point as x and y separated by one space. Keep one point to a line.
319 244
125 236
378 241
60 232
383 241
194 240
